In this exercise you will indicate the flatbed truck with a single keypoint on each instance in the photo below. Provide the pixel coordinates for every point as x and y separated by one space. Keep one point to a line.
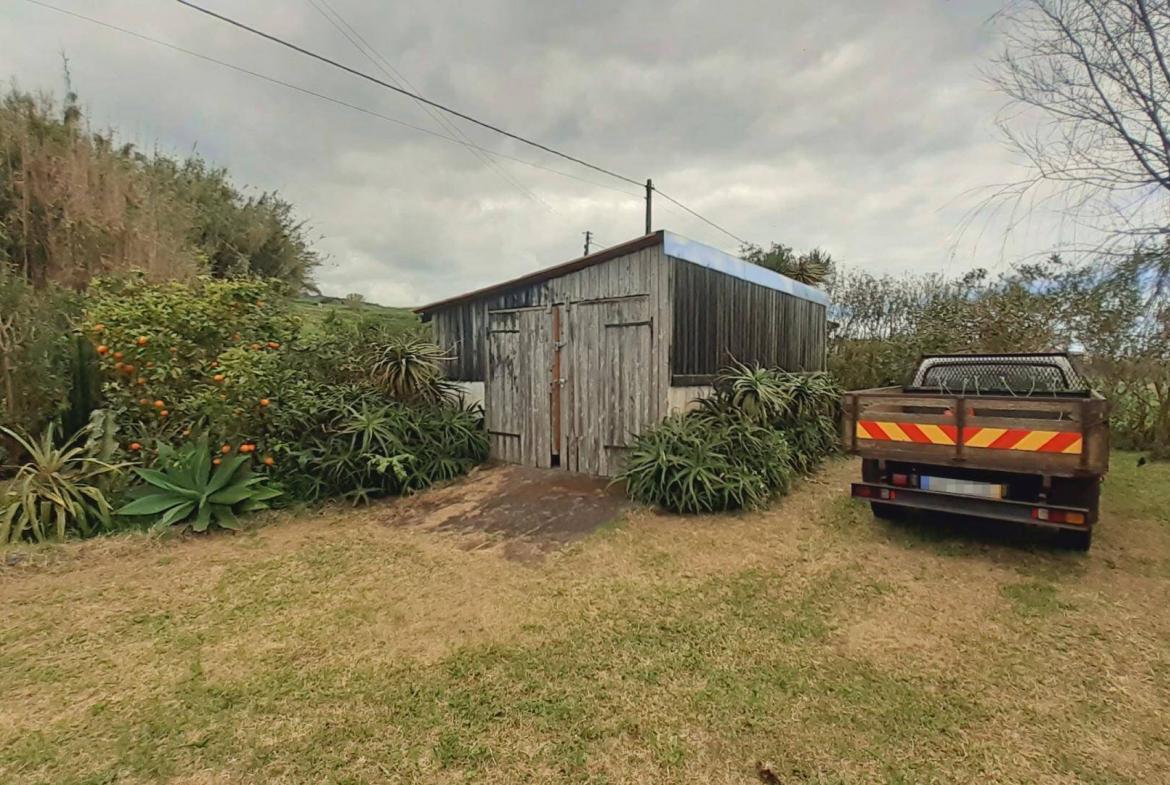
1017 438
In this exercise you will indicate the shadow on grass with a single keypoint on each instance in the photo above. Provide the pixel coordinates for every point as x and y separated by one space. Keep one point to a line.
1031 549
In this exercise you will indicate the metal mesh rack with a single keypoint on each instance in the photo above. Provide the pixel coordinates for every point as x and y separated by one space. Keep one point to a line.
1013 374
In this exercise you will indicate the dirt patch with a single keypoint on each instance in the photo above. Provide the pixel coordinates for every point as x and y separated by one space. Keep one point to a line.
528 511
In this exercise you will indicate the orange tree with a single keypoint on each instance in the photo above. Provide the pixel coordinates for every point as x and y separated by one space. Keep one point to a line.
178 358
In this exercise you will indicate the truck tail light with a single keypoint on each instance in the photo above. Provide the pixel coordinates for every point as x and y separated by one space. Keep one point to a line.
869 492
1058 516
901 480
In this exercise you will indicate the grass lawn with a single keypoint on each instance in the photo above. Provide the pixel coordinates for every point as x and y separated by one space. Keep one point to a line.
337 647
313 309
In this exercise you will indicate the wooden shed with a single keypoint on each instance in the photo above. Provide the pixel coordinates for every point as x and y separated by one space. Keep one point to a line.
573 360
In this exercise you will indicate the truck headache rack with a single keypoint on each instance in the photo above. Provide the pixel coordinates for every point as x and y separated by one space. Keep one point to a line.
1006 374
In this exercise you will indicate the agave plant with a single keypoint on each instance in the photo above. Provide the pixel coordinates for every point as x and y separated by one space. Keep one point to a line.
706 464
409 367
57 492
760 393
188 492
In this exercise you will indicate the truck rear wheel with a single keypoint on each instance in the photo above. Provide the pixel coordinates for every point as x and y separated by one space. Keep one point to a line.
888 512
1076 540
1084 492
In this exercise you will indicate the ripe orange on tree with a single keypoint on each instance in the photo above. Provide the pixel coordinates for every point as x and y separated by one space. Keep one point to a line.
216 462
103 350
264 401
273 345
135 446
164 413
269 460
159 404
225 449
118 355
218 378
142 340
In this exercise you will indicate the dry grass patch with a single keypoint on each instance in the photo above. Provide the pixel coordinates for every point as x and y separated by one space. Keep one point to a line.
337 647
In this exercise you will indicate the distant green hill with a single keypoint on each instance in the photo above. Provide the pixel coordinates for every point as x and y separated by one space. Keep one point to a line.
315 307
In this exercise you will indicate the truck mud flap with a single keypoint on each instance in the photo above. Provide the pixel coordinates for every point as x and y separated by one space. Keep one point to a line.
1035 514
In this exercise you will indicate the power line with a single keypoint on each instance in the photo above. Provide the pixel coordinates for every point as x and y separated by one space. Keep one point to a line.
395 88
330 99
449 110
367 50
388 118
701 218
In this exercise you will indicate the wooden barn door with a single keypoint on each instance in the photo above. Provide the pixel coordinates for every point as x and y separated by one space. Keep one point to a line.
607 396
516 389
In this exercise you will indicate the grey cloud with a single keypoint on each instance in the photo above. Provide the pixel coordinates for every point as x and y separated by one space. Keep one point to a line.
860 127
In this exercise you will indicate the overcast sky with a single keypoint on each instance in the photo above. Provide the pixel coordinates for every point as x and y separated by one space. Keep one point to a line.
861 127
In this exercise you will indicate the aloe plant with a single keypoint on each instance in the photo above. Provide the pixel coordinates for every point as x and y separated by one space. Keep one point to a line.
190 491
409 368
56 493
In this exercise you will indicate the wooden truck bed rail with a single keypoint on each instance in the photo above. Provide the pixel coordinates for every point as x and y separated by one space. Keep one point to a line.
1063 437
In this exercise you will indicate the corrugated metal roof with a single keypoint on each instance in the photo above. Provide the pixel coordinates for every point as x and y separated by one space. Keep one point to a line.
675 246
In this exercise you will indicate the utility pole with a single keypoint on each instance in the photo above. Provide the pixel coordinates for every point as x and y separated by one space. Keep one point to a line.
588 238
649 192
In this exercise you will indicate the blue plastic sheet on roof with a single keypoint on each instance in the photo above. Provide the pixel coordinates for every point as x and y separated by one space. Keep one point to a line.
705 256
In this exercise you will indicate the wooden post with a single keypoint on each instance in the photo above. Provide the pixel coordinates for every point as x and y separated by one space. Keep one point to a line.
855 405
649 202
557 382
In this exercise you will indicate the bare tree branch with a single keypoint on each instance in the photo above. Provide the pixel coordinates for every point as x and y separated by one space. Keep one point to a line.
1094 84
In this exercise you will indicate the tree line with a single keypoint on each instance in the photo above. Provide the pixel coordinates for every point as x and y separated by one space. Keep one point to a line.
76 203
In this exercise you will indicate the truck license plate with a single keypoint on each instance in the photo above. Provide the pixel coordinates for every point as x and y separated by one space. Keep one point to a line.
966 487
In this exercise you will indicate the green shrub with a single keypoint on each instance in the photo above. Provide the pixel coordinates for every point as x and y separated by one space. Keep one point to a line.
35 349
161 348
705 464
356 444
342 407
59 492
189 489
745 443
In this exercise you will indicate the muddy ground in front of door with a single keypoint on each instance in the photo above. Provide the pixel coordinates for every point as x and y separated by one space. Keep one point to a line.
528 511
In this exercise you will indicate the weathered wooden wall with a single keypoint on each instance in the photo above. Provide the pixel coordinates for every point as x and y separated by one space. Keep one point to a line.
615 322
718 317
612 389
461 328
516 401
